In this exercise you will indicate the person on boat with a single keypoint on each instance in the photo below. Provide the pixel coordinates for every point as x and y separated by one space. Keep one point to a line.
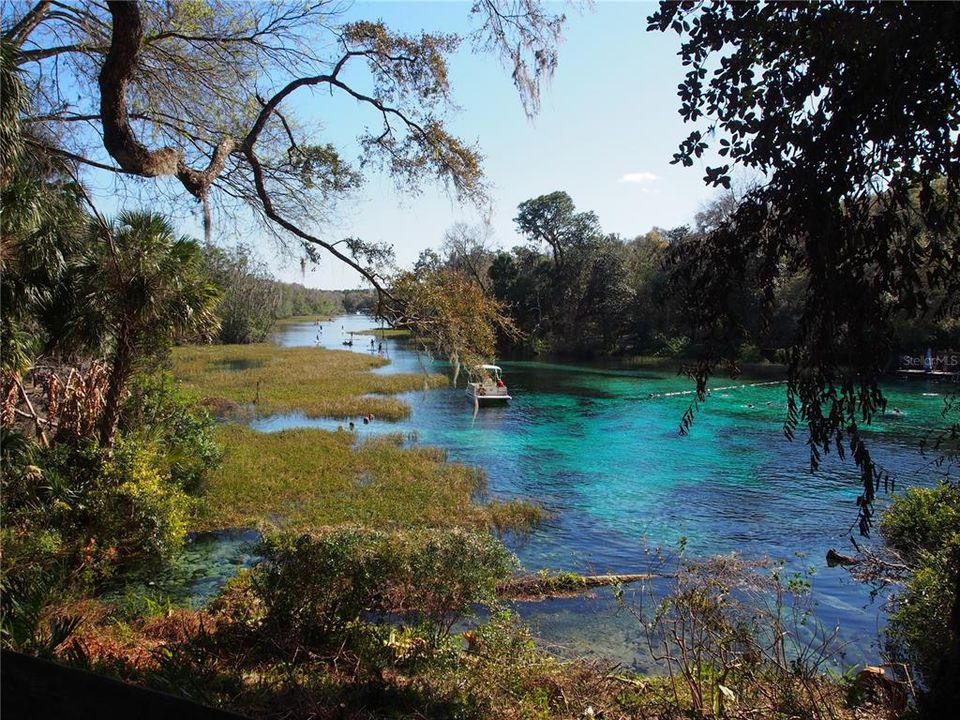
501 383
366 420
352 426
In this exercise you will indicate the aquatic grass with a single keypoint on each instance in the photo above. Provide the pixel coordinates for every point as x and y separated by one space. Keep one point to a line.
516 516
317 381
385 332
313 478
303 319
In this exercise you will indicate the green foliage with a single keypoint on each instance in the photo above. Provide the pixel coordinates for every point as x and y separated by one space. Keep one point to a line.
182 433
135 507
922 519
362 301
252 300
42 225
144 288
923 526
597 295
552 219
315 589
73 518
860 193
248 306
297 300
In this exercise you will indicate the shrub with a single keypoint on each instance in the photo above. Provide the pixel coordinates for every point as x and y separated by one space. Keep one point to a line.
737 633
181 430
921 519
135 507
923 526
671 345
316 588
749 353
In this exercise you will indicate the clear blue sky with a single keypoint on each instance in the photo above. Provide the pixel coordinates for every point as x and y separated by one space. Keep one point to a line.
609 113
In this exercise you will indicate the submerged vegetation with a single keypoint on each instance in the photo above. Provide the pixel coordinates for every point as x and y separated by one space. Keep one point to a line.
314 381
314 478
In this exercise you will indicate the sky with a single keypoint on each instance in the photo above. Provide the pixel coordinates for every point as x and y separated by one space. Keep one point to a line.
606 132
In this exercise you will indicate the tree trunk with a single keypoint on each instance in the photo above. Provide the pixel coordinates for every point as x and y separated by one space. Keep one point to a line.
119 375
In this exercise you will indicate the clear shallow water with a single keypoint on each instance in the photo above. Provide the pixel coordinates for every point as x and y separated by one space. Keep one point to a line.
599 448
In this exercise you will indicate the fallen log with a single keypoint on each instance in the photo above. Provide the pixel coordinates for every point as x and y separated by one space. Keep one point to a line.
540 586
834 558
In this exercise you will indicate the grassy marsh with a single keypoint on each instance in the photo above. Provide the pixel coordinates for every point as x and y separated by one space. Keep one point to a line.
385 332
316 381
301 319
314 478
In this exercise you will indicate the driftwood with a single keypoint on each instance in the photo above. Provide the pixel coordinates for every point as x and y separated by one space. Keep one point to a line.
540 587
834 558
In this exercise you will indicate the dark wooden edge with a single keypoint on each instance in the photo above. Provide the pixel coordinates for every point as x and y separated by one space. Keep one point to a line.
35 688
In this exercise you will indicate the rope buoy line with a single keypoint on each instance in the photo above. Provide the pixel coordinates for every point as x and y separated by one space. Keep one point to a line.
681 393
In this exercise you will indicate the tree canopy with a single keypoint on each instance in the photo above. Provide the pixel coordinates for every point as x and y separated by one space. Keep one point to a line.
849 113
199 95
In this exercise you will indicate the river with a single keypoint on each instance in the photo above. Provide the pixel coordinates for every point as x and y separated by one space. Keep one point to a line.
599 448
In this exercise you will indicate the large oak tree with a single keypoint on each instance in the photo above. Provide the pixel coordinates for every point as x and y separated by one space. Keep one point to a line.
205 97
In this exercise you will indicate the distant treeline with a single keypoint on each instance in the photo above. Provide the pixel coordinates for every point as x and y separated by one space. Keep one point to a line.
577 291
253 300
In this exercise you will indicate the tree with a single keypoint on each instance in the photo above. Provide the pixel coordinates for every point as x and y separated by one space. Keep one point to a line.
199 94
850 112
146 288
247 310
452 315
465 248
552 219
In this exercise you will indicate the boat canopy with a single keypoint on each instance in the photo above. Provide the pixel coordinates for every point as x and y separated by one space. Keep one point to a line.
490 367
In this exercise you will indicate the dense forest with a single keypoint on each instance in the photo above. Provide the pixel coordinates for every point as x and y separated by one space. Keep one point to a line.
573 290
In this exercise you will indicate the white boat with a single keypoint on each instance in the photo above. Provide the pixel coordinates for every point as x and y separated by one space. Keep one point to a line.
489 388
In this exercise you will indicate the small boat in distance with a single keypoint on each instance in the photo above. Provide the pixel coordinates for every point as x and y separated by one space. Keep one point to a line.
489 387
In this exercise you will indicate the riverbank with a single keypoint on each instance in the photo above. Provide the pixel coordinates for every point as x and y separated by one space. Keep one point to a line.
356 607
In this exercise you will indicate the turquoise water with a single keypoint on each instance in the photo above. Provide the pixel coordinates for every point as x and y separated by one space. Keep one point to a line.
599 448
